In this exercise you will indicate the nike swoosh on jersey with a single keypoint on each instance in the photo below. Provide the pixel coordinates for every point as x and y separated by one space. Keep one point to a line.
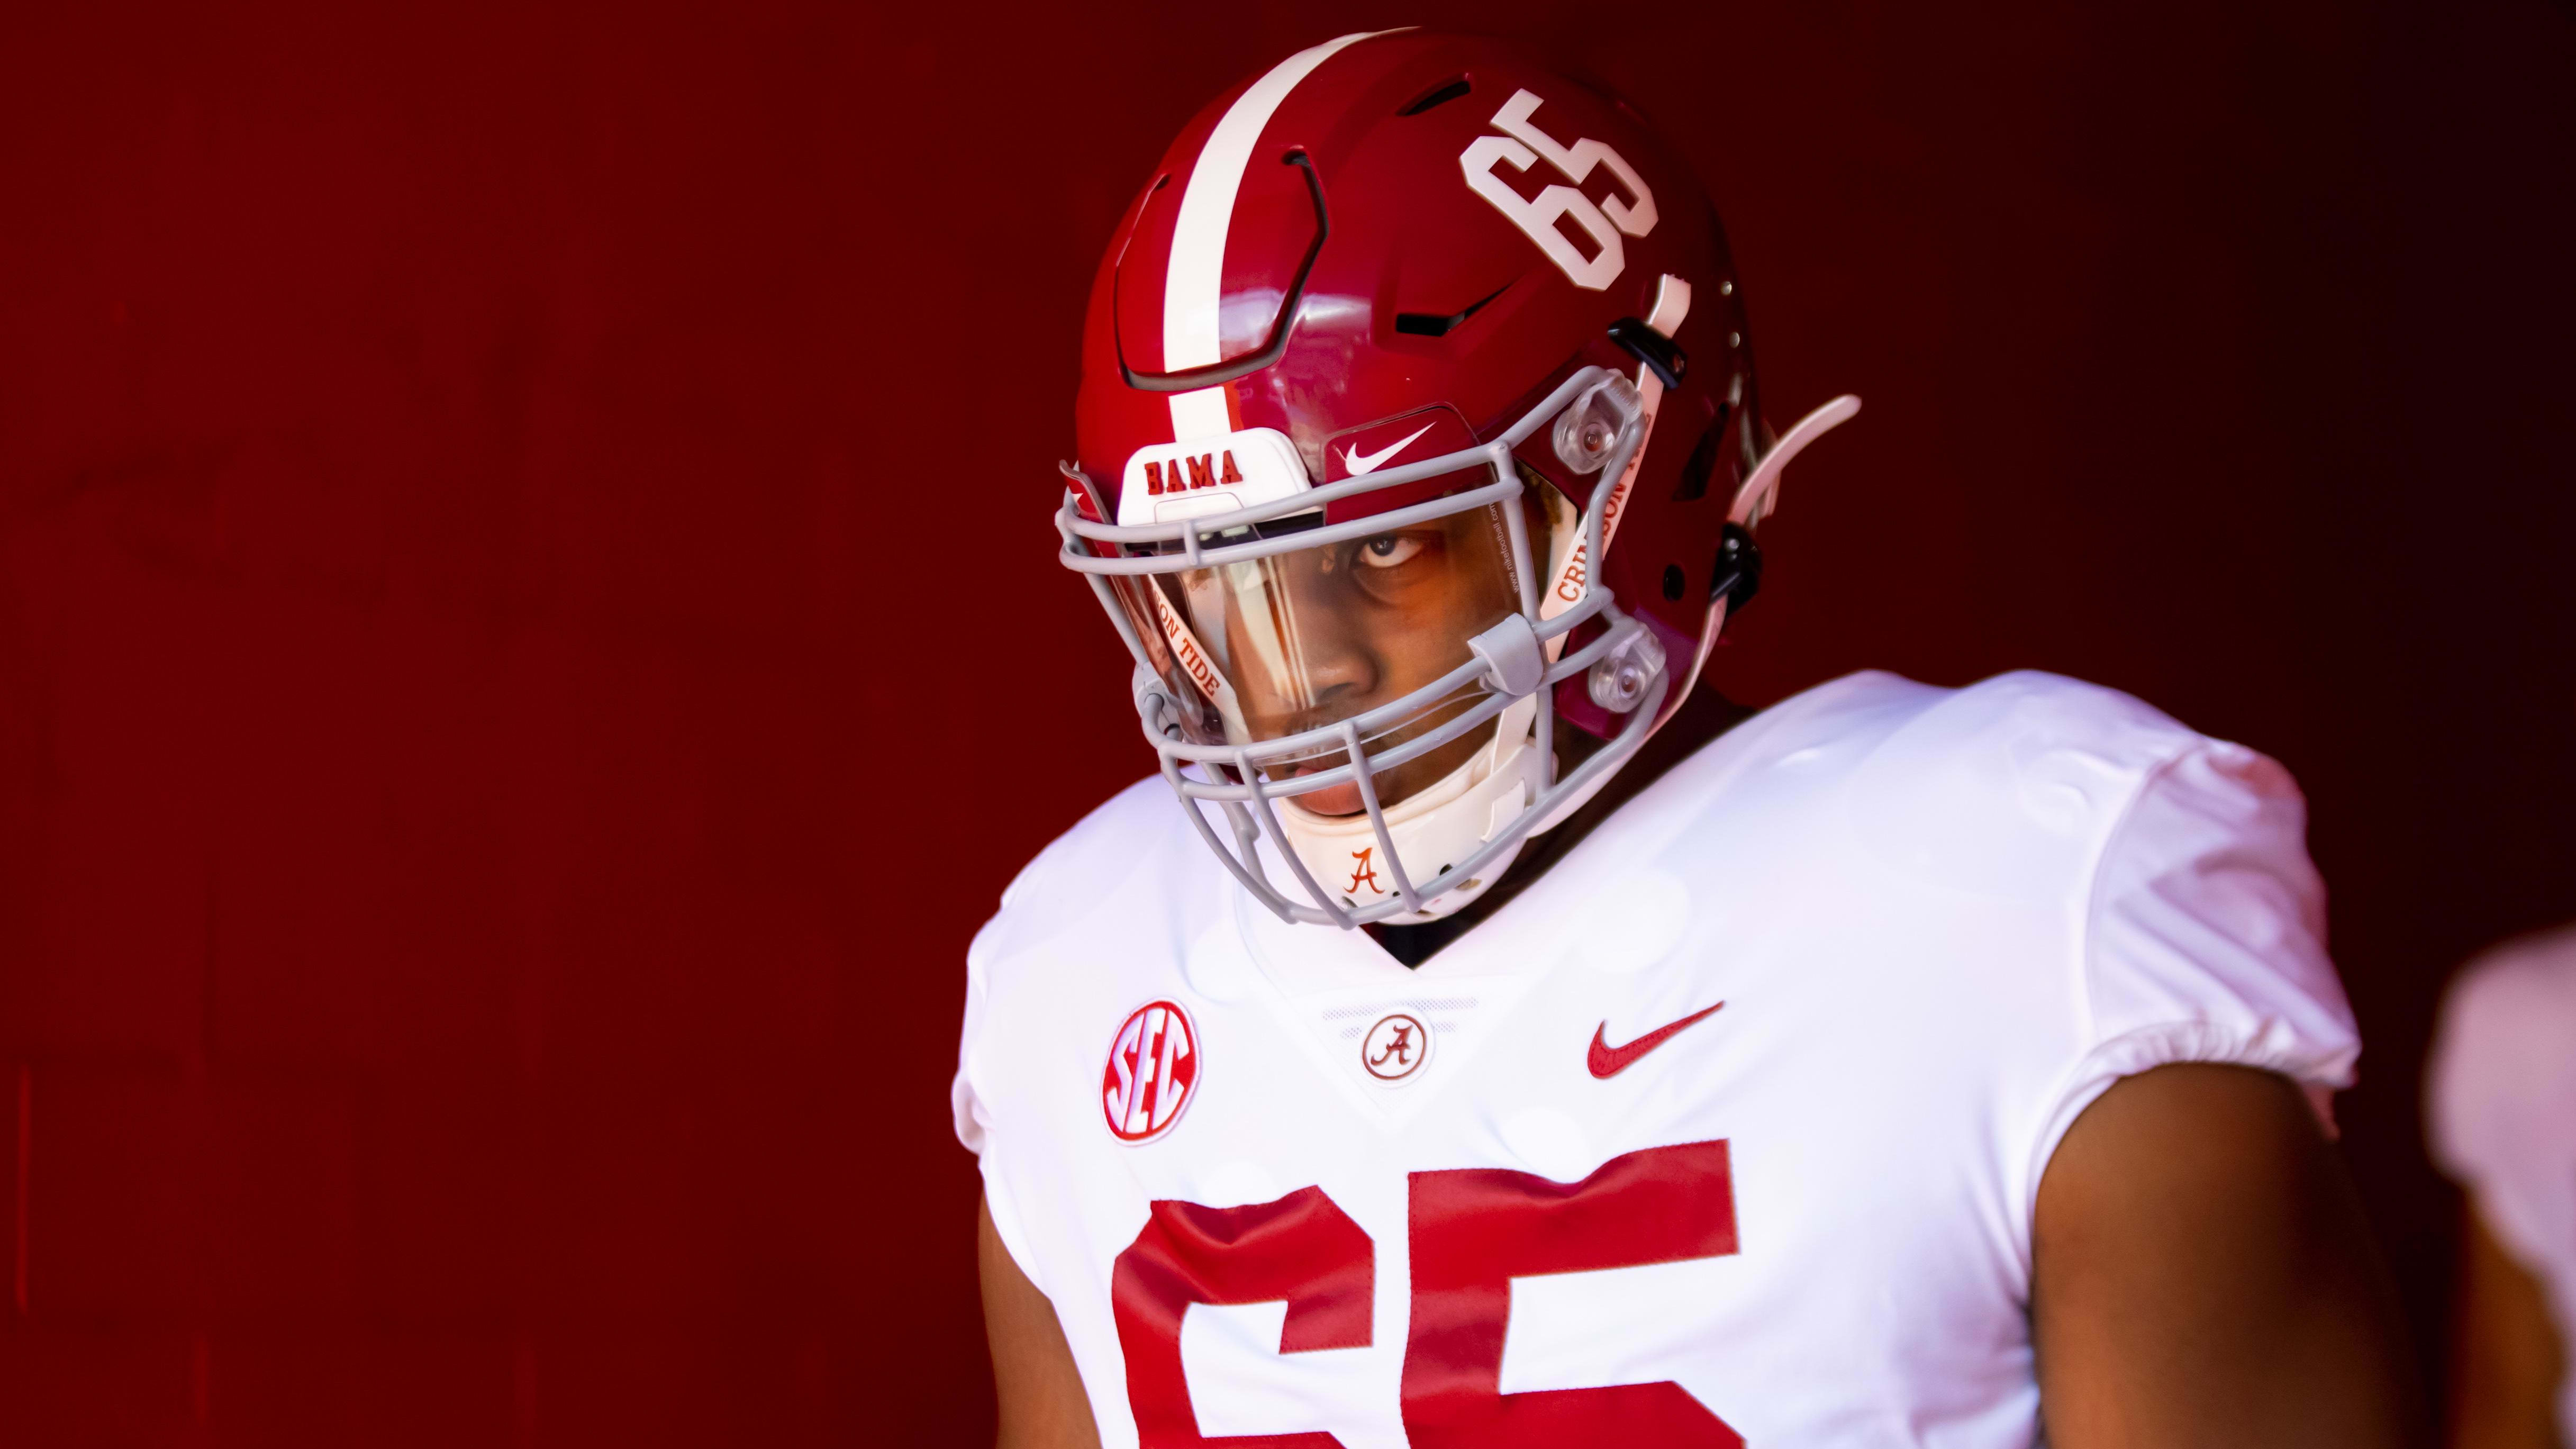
1359 462
1607 1061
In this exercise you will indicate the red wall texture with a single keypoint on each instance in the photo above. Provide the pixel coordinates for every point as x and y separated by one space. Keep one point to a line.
528 643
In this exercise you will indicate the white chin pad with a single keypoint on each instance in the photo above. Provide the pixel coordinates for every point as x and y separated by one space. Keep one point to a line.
1433 829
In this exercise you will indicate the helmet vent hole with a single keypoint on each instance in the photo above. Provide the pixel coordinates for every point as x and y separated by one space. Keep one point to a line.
1439 95
1673 581
1432 324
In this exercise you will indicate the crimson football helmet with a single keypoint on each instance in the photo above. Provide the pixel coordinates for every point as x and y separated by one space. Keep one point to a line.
1419 458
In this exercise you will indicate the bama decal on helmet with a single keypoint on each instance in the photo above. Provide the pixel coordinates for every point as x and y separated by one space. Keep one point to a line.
1521 145
1217 474
1207 470
1153 1072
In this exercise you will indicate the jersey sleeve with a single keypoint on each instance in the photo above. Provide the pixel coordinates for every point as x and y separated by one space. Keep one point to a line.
1056 894
964 1106
2205 937
2500 1094
973 1107
1023 912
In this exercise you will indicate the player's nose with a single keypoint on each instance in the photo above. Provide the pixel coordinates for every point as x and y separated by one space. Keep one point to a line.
1342 671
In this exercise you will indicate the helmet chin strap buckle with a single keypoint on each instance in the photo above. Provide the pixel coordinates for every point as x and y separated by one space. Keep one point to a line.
1514 663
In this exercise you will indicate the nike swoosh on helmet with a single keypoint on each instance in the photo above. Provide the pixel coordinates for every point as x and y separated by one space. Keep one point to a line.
1359 462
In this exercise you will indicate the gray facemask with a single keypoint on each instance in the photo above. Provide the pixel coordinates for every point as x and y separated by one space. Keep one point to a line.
1246 715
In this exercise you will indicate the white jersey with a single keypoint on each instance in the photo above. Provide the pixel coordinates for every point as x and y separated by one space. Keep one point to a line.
1725 1130
2501 1112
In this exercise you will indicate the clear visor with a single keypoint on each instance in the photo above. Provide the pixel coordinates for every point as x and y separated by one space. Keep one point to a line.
1299 640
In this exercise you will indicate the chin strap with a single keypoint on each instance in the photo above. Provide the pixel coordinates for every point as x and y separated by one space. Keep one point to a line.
1760 493
1754 500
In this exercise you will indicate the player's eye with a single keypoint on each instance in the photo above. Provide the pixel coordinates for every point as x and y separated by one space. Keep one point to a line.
1387 550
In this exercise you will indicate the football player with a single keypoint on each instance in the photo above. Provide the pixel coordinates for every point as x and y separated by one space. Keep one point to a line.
2500 1115
1504 1042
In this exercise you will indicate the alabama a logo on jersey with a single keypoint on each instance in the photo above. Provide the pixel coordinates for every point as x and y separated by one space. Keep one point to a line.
1153 1072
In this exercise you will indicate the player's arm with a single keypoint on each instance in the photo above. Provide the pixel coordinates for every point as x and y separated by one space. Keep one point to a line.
2505 1359
2202 1275
1039 1390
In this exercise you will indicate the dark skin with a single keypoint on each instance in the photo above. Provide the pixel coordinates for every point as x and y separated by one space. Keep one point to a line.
1374 619
2201 1275
2505 1356
1034 1383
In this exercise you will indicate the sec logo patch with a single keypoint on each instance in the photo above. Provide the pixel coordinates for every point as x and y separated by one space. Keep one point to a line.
1153 1072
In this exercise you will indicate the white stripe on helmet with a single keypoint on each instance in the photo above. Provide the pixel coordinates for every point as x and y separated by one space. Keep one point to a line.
1194 283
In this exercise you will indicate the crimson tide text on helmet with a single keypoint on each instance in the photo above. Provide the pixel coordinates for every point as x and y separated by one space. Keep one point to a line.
1418 425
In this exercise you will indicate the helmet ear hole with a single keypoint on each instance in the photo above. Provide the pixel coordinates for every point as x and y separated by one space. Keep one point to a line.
1673 582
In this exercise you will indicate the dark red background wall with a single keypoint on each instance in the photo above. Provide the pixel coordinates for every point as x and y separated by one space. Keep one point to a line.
528 644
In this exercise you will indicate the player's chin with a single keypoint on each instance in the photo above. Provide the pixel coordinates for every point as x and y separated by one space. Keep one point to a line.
1332 800
1394 786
